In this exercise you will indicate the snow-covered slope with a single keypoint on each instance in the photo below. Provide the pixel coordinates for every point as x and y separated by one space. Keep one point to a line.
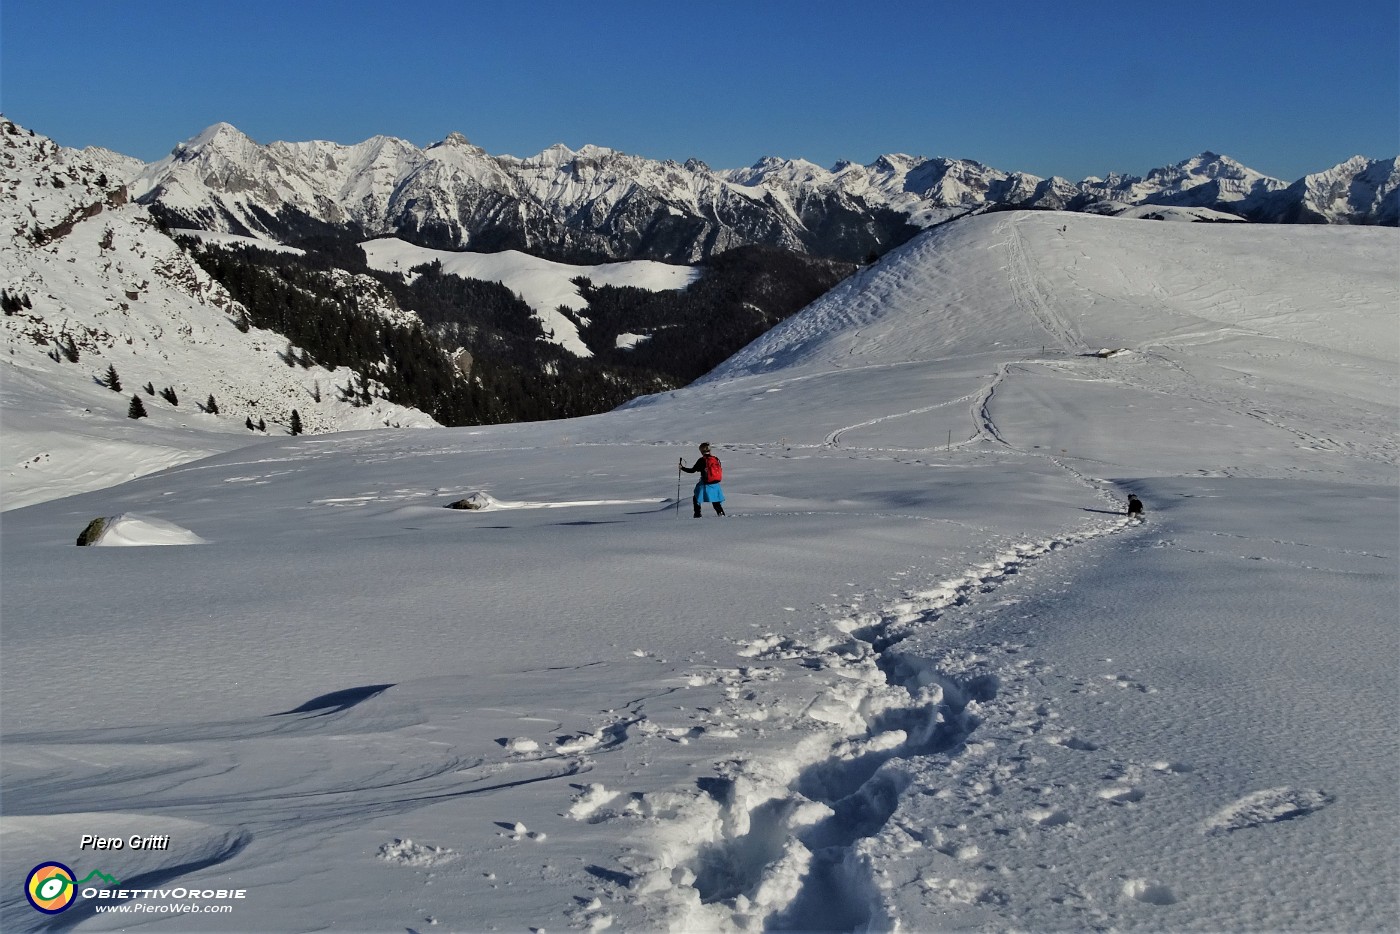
94 279
926 676
1091 283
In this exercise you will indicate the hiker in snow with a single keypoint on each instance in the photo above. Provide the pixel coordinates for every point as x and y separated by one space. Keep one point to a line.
707 489
1134 506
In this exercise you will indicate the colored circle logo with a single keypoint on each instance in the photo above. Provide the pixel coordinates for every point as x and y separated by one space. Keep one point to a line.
50 888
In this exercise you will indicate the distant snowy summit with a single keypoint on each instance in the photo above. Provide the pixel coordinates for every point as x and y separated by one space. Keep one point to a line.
596 204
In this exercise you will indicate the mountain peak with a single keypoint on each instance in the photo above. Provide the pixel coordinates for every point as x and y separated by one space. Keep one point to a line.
217 132
1215 160
558 154
217 137
453 144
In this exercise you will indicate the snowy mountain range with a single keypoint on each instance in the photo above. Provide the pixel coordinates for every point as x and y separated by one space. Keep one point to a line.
596 204
92 282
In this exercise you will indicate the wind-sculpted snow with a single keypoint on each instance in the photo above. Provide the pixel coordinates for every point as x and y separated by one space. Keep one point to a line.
926 675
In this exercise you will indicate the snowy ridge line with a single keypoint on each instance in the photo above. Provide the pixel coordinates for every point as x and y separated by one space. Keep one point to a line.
779 843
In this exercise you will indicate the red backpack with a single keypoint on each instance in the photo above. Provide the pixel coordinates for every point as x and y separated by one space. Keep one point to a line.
710 471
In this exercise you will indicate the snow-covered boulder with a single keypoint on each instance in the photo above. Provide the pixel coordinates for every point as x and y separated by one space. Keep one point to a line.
129 529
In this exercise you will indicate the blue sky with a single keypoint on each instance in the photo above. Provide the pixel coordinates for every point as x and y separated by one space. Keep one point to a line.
1070 88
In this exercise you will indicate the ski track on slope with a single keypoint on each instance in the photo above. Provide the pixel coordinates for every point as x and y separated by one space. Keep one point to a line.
833 439
1021 278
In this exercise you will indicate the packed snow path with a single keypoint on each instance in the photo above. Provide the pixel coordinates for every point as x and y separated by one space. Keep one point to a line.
787 854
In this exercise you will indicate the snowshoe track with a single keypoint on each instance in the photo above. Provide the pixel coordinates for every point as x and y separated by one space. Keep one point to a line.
785 850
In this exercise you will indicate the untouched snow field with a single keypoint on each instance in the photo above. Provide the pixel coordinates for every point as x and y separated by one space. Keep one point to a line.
927 676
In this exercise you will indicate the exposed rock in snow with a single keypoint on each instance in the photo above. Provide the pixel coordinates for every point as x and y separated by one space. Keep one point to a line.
131 529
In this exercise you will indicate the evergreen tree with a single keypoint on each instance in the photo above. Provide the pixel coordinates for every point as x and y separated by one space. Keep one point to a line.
262 425
211 406
112 381
137 409
69 348
168 394
296 423
150 389
249 422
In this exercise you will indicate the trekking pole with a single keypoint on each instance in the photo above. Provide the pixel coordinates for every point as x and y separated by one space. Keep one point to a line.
678 491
